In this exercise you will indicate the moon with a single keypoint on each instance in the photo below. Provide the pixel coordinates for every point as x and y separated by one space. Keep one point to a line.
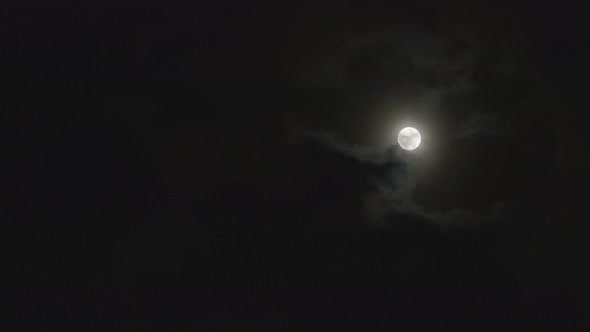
409 138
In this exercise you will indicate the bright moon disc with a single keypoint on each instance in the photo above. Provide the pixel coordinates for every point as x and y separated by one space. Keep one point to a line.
409 138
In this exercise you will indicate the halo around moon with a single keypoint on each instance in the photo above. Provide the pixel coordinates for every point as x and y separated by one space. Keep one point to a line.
409 138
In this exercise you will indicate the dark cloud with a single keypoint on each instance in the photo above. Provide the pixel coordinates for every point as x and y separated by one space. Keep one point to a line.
390 184
479 124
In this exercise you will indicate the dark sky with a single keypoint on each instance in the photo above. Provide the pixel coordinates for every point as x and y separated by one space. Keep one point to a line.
201 164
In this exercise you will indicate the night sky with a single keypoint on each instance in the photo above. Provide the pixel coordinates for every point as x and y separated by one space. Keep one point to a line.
190 165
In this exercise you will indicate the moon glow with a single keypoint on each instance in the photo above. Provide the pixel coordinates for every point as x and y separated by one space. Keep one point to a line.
409 138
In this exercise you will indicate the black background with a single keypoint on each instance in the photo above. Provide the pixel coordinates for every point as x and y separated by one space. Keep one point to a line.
157 171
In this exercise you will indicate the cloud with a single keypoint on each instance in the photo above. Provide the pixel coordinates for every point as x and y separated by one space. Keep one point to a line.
390 184
479 124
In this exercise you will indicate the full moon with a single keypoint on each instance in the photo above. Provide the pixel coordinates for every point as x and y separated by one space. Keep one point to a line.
409 138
